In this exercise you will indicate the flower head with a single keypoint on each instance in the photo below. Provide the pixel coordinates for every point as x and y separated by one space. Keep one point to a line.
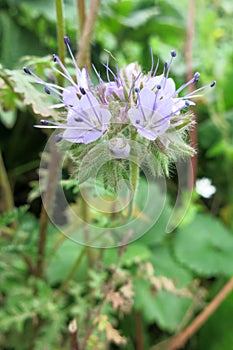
150 103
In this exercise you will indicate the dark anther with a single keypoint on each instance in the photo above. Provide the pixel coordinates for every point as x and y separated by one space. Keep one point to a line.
158 87
78 119
54 58
213 83
66 40
173 53
82 90
136 90
187 103
196 77
26 70
137 121
45 122
47 90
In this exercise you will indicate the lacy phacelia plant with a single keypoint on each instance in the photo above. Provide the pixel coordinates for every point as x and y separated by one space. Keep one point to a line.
130 105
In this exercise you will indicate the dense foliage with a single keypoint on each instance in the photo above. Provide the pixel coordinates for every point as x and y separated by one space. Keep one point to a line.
134 296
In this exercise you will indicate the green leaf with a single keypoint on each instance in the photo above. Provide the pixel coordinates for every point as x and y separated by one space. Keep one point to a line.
205 246
62 261
134 253
8 118
165 308
139 18
23 85
13 215
219 324
165 265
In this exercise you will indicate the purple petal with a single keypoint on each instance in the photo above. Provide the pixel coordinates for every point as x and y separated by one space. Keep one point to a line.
69 96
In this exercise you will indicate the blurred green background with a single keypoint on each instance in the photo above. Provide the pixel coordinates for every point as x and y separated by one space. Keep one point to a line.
197 259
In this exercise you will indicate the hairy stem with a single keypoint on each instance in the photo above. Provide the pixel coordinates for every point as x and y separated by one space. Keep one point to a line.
83 56
134 178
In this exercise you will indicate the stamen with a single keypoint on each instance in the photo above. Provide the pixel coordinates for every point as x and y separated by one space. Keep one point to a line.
155 100
191 81
140 106
109 70
97 74
156 68
152 60
196 77
93 108
27 70
48 122
201 88
132 86
67 74
82 90
67 43
173 55
46 89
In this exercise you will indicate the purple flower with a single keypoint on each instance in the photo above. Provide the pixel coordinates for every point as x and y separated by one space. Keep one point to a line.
149 102
86 122
151 115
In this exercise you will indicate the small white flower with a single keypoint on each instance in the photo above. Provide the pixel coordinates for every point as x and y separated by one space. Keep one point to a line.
205 188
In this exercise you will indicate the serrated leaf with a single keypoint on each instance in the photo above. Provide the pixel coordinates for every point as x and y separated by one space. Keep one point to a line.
22 84
205 246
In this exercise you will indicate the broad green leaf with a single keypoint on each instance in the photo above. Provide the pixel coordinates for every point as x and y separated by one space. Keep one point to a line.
164 308
140 17
205 246
134 253
165 265
62 261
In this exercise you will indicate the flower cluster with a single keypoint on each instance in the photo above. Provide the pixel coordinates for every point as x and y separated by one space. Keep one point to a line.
129 102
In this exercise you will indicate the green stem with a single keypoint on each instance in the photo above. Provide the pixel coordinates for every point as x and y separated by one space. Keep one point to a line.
7 202
60 33
134 178
84 211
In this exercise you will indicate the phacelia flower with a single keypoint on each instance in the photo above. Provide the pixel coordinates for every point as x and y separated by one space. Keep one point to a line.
150 104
